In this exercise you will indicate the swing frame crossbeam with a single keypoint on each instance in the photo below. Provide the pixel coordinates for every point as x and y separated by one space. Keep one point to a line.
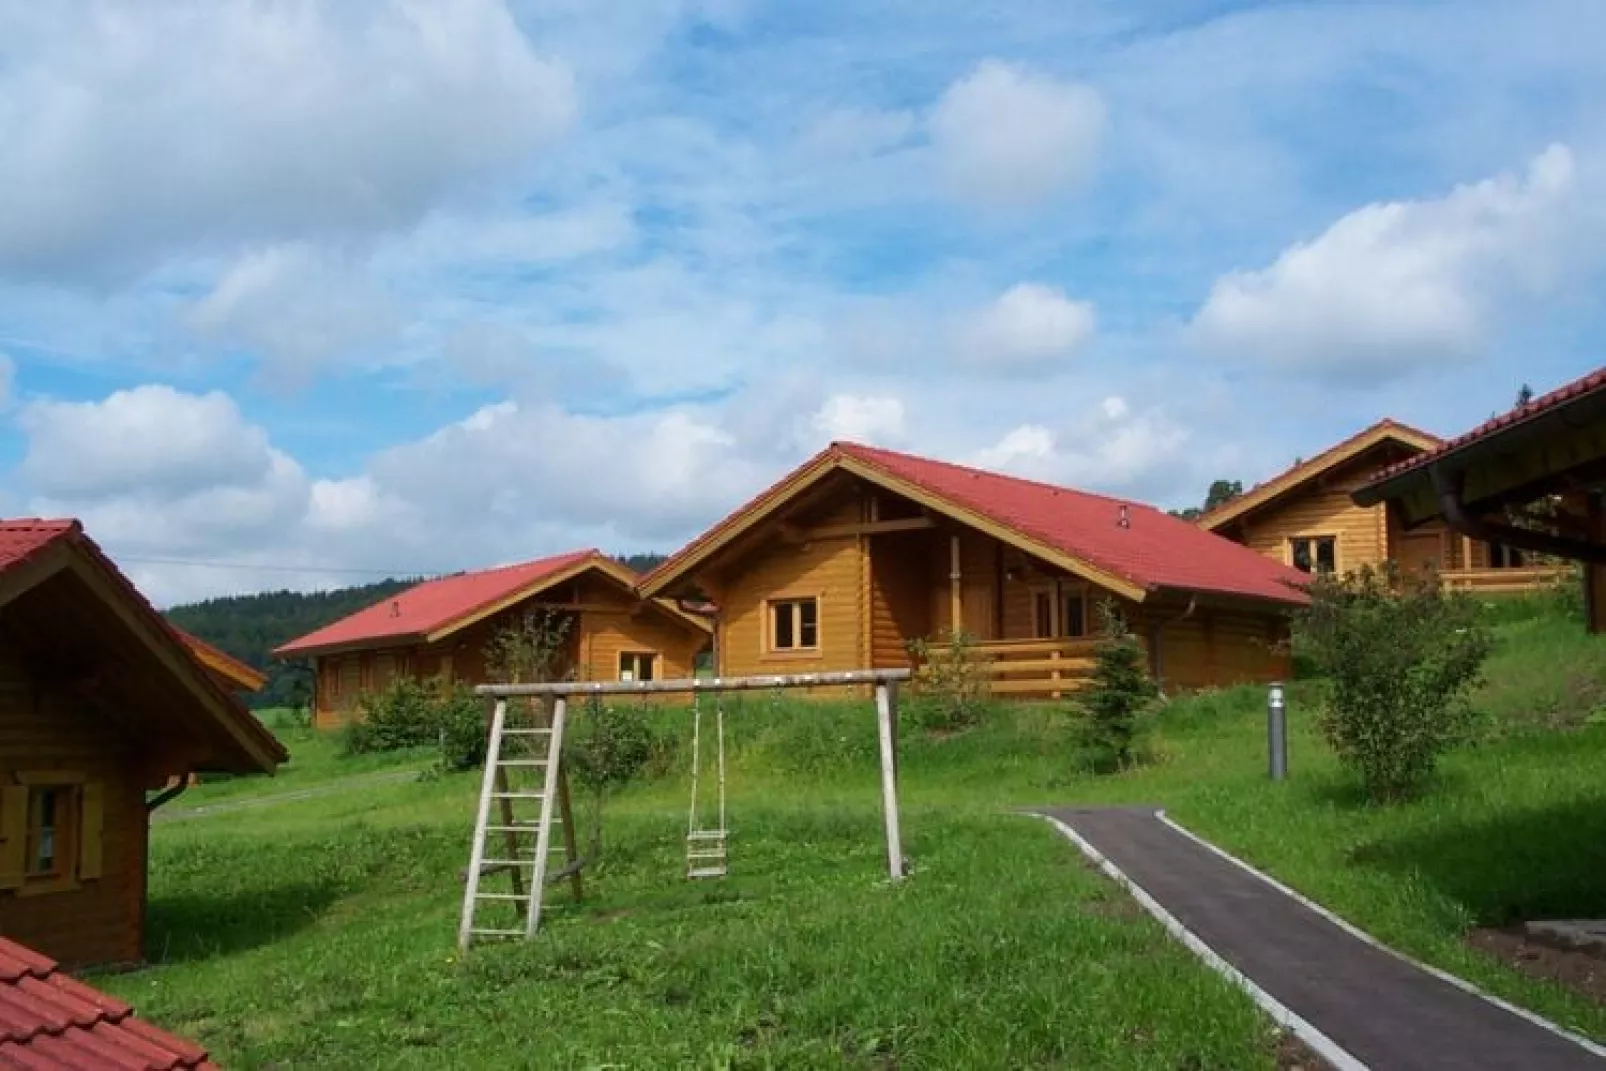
884 681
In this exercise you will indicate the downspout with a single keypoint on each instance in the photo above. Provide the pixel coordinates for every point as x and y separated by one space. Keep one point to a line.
1448 488
168 794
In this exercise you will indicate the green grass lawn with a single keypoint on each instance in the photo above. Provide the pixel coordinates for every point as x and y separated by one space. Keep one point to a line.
321 932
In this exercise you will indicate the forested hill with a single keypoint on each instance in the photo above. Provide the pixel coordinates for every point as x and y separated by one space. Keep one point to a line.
250 626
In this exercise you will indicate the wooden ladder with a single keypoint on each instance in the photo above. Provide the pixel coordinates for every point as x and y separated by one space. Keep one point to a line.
523 774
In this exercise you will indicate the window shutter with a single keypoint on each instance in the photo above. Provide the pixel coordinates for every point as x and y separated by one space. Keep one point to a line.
13 835
93 807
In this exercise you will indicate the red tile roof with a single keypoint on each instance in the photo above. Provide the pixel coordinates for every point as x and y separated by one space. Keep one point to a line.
49 1020
24 539
435 604
1587 384
1153 550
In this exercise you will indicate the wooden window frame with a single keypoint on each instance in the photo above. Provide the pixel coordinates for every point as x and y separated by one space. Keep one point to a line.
654 659
770 650
78 849
1313 539
1057 592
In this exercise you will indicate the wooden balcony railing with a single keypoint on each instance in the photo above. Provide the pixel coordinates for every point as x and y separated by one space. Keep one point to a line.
1503 581
1044 669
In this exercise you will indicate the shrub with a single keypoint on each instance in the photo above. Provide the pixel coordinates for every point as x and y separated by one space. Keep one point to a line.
1401 658
950 691
608 747
411 713
1111 709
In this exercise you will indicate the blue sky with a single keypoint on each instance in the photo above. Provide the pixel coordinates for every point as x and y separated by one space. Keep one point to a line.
308 291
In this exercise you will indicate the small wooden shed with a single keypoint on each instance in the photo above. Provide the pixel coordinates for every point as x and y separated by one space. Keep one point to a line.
101 701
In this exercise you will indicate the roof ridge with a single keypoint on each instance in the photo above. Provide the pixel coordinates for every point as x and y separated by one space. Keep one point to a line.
1059 488
491 570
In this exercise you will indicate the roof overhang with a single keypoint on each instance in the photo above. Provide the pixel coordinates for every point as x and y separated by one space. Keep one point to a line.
697 555
1299 476
258 749
1556 449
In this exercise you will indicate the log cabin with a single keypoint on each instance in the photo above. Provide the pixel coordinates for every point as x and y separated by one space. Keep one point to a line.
440 629
101 701
861 551
1551 450
1306 517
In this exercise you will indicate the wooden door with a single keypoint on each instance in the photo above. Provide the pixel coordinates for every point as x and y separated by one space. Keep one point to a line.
1420 552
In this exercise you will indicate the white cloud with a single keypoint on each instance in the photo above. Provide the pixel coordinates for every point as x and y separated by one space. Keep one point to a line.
296 306
1108 448
1029 327
861 418
133 136
1399 283
1010 137
152 437
850 132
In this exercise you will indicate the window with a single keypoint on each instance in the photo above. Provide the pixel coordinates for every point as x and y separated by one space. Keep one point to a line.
1504 557
1075 615
1059 610
50 826
636 665
1043 612
50 832
1317 554
795 625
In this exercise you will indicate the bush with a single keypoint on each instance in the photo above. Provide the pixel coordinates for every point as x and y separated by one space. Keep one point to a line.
1401 659
950 691
411 713
1110 710
608 746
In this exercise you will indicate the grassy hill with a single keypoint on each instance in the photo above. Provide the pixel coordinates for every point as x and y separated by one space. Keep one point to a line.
319 932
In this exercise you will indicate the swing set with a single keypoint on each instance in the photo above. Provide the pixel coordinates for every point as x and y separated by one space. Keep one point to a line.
524 793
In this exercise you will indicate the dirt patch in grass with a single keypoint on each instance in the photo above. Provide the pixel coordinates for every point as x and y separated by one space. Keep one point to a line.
1583 972
1295 1055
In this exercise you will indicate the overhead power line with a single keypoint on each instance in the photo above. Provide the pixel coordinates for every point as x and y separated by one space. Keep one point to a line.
260 567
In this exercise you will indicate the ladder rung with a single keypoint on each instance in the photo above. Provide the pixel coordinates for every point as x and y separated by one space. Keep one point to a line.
705 855
500 896
518 795
513 829
521 762
505 862
526 732
706 834
499 933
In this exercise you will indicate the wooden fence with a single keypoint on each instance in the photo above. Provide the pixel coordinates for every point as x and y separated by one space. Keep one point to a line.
1035 669
1503 581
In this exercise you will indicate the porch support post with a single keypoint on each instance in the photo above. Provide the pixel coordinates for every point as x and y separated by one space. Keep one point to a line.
956 604
1466 552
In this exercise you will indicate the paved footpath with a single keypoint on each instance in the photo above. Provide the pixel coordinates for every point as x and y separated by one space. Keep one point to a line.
327 788
1379 1010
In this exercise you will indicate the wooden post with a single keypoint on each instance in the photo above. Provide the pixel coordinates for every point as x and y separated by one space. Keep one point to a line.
886 706
571 847
1466 552
956 604
543 836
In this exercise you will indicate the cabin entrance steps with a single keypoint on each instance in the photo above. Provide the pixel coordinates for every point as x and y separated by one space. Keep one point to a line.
524 794
706 855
